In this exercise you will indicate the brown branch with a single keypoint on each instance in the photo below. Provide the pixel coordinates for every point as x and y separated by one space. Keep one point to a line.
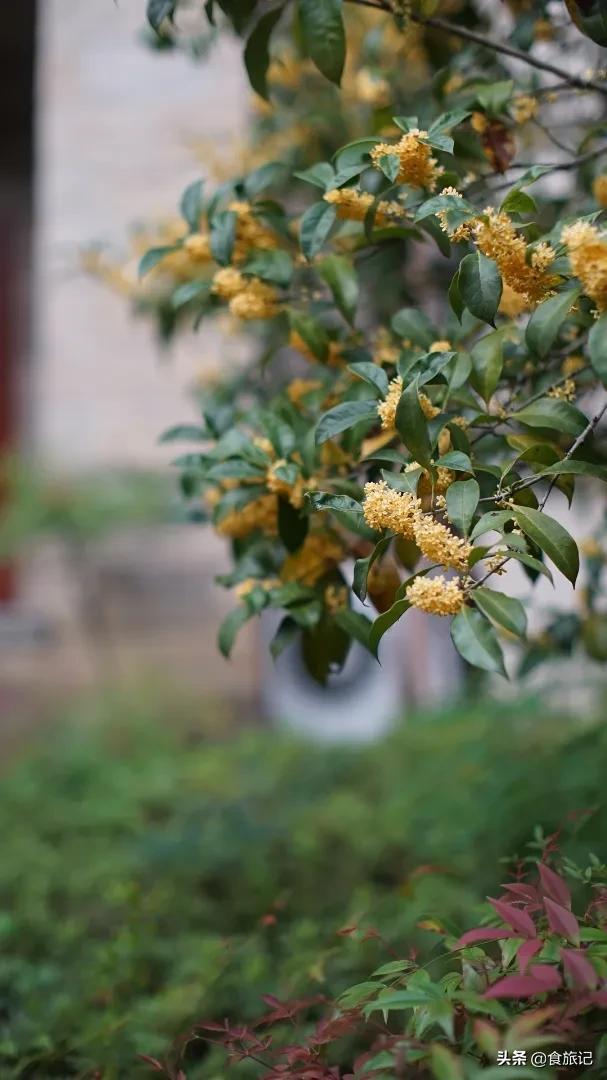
446 27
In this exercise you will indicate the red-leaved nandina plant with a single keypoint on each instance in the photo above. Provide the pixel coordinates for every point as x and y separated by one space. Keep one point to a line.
526 989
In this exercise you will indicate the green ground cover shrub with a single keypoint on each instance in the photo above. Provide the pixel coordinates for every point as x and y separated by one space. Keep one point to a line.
150 878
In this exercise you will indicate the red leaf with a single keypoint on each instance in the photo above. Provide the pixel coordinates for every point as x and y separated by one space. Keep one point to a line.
526 952
525 986
484 933
517 919
562 921
580 969
523 891
553 886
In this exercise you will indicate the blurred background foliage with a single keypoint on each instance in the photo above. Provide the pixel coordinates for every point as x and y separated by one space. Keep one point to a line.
152 877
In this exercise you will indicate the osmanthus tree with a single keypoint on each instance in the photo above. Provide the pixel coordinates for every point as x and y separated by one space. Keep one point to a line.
430 311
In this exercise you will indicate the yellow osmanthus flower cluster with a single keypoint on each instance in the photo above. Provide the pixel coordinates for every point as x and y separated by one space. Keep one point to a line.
198 247
386 409
372 89
417 167
245 587
565 392
250 232
439 544
429 410
260 514
587 249
497 238
524 108
336 598
334 352
293 492
599 189
249 298
461 232
298 388
319 553
572 364
354 205
385 508
437 595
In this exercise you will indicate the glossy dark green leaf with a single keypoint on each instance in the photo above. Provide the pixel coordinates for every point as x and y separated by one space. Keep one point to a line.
324 36
506 611
476 641
544 325
552 413
487 363
597 348
325 500
191 205
315 227
293 526
155 256
223 235
287 633
342 417
412 425
273 265
384 621
355 624
480 286
372 374
311 332
573 467
455 460
462 501
230 627
257 52
455 297
339 274
551 537
363 566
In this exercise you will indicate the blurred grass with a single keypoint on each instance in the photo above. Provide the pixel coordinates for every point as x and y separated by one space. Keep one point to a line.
151 876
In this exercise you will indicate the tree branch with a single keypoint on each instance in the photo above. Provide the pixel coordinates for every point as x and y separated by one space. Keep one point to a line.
485 42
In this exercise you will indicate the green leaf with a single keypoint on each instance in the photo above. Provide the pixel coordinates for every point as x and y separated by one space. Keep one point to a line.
315 227
487 363
325 648
413 324
551 537
184 433
573 467
552 413
268 175
324 37
372 374
191 205
493 521
455 297
342 417
273 265
504 610
326 500
154 256
445 1065
455 460
311 332
544 325
363 566
384 621
230 627
448 120
518 202
292 525
462 501
480 286
494 96
257 52
597 348
534 564
412 426
340 276
475 640
355 624
390 166
286 634
158 11
321 175
456 210
223 234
